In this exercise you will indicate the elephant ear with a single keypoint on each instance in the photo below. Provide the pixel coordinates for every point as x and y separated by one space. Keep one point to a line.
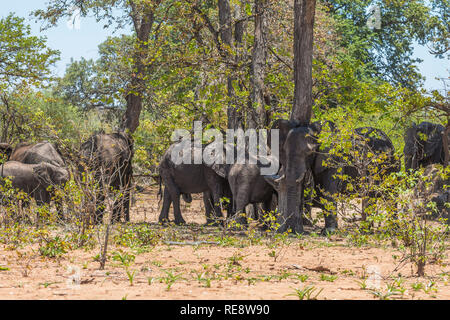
221 169
42 173
214 157
433 145
319 163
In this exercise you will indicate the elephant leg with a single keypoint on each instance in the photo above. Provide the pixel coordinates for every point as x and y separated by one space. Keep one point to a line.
208 202
308 199
252 211
240 216
331 188
216 194
172 189
126 205
122 207
216 197
126 200
177 210
263 218
167 201
230 205
175 196
330 217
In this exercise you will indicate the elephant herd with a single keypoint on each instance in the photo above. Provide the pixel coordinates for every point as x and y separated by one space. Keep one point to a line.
37 168
302 161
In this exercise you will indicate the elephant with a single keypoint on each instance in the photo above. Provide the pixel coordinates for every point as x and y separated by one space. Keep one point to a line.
424 145
37 153
248 186
46 152
34 179
434 188
109 157
187 178
302 152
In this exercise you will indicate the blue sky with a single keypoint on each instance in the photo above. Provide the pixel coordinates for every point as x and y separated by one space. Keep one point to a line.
71 43
83 42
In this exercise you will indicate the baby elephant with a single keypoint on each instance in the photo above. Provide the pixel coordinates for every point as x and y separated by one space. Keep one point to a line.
34 179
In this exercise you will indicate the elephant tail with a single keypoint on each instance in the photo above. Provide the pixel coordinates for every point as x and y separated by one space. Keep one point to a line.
158 177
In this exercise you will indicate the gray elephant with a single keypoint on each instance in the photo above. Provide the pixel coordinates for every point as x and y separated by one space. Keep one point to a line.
34 179
248 186
302 152
36 153
183 179
424 145
109 157
435 188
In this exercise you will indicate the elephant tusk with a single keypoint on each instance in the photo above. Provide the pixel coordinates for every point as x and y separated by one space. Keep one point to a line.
300 179
279 179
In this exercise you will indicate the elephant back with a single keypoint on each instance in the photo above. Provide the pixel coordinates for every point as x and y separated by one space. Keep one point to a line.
37 153
108 154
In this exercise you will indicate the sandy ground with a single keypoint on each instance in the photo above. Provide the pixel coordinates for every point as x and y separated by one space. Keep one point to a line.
326 268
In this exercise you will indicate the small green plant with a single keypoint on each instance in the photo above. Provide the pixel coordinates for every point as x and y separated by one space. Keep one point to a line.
417 286
131 276
47 284
123 257
157 263
362 284
170 279
54 247
235 258
430 287
392 292
307 293
329 278
302 277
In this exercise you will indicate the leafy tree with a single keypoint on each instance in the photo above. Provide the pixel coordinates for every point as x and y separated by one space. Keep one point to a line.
23 57
145 16
387 52
90 84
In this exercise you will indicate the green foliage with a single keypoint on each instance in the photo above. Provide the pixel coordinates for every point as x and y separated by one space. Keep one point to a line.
54 247
22 57
123 257
387 52
307 293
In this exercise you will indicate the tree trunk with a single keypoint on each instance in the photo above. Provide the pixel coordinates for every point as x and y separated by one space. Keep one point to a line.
239 28
292 198
226 36
258 110
143 18
445 144
304 11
